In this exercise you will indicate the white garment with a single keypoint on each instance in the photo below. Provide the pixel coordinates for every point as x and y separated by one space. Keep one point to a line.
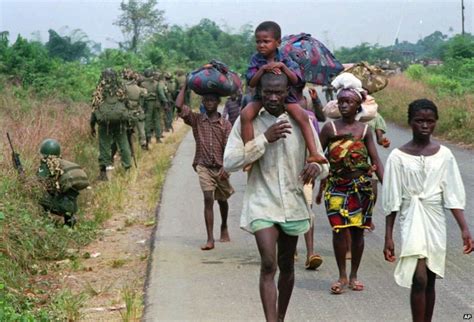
419 188
274 190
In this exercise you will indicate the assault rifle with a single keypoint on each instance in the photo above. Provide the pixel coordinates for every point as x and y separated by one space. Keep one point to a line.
15 158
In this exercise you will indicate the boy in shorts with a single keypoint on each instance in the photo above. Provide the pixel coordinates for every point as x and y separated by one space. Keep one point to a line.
210 132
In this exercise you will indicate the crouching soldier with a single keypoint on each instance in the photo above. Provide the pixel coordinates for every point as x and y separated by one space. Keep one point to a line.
62 181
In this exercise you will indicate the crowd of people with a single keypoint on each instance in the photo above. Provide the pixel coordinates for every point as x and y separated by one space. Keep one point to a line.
272 133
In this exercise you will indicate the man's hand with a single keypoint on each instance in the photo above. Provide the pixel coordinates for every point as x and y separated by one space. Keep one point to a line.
223 175
389 251
93 132
278 131
309 172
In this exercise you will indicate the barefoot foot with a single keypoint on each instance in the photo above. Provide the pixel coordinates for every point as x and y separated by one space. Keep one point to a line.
208 246
224 236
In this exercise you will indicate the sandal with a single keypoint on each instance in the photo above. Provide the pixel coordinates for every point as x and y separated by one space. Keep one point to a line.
313 262
356 286
337 288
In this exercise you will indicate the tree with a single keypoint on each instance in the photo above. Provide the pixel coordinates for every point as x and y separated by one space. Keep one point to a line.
69 48
139 19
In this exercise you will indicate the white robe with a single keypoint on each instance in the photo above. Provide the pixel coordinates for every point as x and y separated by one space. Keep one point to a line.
419 188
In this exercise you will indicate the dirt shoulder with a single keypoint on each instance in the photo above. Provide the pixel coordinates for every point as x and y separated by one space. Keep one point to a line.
110 272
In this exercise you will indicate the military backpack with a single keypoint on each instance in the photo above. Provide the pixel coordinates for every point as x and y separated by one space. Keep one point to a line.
73 177
113 112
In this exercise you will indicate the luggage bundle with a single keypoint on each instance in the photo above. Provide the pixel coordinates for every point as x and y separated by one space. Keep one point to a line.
368 112
373 78
348 80
214 78
318 65
73 177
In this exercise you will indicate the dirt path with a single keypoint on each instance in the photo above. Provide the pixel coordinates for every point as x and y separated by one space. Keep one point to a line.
111 270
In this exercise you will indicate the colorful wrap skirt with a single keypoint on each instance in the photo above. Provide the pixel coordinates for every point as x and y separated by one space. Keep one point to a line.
349 202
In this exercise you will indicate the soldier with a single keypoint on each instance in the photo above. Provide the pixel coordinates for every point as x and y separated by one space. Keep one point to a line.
152 115
136 96
164 101
113 117
62 181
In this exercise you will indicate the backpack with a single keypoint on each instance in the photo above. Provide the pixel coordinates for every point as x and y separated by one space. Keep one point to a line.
373 78
113 113
73 177
318 65
214 78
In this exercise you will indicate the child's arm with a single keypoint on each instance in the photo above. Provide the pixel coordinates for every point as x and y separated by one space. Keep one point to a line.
465 234
292 77
317 106
389 247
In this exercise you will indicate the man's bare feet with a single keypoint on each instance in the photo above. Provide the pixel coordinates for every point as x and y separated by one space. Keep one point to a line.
208 246
224 236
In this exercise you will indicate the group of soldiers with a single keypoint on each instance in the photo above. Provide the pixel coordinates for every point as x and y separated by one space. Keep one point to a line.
132 103
122 104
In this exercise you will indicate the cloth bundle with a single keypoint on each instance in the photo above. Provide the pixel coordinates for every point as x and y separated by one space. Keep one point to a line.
214 78
318 65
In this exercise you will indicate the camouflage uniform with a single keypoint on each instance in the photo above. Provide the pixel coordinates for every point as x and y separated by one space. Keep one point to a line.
54 200
110 92
152 112
172 93
135 95
164 103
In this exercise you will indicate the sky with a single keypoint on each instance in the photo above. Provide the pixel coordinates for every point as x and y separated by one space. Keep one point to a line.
337 23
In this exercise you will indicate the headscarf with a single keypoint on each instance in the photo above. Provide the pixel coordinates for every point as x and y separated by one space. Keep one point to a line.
348 84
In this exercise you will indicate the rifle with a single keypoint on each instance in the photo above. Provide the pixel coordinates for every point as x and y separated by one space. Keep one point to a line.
15 157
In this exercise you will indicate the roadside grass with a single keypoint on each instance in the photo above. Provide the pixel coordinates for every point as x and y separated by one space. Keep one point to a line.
456 112
31 243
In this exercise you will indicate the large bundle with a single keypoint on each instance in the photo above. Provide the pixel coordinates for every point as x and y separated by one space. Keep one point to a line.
214 78
72 177
373 78
318 65
367 113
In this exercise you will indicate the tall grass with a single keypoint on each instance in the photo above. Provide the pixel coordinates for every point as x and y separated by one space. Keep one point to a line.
455 111
29 241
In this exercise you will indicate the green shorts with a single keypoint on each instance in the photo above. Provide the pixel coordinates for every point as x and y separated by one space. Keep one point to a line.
291 228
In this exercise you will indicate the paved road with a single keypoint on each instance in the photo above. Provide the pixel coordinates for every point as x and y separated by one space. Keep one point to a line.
185 283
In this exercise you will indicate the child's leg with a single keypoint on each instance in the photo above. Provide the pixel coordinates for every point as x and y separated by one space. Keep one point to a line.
430 295
339 245
421 304
224 208
301 118
209 219
247 115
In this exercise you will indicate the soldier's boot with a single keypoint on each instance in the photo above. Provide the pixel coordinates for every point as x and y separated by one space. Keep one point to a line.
146 145
103 174
70 221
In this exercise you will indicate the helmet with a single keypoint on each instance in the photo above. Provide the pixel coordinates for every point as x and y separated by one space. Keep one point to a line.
148 72
50 147
109 73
